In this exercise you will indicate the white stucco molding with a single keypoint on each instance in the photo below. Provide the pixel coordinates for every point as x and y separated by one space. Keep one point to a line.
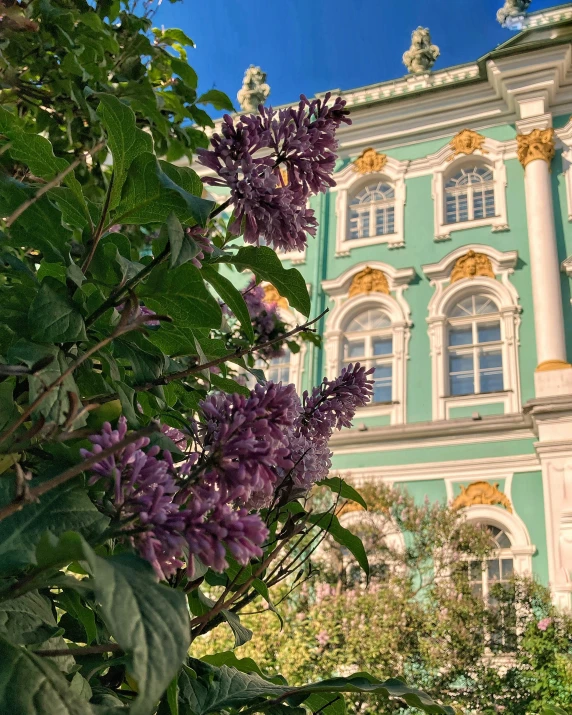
399 312
446 295
564 142
443 164
349 183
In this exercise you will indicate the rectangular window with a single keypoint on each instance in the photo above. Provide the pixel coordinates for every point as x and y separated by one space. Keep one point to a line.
461 374
382 346
489 332
355 349
461 336
382 378
490 371
354 224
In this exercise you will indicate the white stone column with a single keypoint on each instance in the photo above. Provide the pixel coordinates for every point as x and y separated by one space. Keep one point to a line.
553 374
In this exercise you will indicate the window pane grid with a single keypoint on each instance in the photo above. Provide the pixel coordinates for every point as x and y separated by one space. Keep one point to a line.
373 348
470 195
372 212
475 348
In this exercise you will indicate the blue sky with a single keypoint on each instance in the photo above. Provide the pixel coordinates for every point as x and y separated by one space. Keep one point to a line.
311 46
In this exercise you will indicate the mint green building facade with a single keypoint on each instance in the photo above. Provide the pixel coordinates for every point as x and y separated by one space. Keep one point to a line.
444 256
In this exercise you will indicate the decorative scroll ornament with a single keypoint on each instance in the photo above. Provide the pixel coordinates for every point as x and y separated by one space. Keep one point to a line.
481 493
421 56
368 161
254 90
471 265
271 295
539 144
369 280
467 142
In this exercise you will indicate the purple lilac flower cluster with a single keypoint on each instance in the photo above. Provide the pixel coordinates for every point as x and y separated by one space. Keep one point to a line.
247 448
269 190
204 244
266 321
330 406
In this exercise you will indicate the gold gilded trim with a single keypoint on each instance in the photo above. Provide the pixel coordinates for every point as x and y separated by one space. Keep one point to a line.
539 144
370 280
471 265
481 493
369 160
271 295
467 142
552 365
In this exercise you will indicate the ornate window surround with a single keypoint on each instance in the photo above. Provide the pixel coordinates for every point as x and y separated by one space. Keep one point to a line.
521 547
348 183
564 142
446 294
395 306
446 163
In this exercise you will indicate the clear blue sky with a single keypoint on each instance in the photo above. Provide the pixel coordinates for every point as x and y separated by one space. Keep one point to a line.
311 46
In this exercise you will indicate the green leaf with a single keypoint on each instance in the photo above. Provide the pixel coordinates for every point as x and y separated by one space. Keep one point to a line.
151 194
345 490
28 620
329 522
37 153
126 140
150 622
55 405
213 690
232 297
181 294
183 247
185 72
228 657
65 508
320 702
173 34
225 384
218 99
55 319
30 685
71 602
74 212
241 634
266 265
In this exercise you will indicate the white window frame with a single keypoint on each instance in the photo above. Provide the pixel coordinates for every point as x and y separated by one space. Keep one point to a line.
349 183
447 295
346 308
475 348
469 190
371 208
446 169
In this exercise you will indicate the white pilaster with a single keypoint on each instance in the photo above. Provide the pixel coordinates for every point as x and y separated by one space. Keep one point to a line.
553 374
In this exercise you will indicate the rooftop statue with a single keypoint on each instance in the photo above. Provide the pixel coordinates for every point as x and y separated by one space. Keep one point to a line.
421 56
254 89
512 13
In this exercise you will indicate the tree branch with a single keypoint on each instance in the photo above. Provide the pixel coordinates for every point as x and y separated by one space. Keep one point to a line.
166 379
88 650
51 184
99 230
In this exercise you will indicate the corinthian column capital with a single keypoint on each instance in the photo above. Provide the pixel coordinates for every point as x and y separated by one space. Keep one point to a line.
539 144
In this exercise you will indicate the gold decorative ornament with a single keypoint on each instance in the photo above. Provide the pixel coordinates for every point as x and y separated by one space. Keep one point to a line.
553 365
271 295
471 265
369 280
539 144
481 493
467 142
368 161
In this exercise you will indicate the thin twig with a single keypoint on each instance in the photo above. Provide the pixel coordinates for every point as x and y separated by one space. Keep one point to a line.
166 379
120 330
51 184
72 472
116 295
99 230
88 650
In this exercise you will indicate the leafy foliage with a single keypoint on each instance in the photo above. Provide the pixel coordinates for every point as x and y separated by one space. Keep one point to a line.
124 325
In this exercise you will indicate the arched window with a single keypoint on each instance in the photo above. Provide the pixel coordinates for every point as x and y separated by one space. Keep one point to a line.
369 341
485 579
475 347
372 212
470 195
